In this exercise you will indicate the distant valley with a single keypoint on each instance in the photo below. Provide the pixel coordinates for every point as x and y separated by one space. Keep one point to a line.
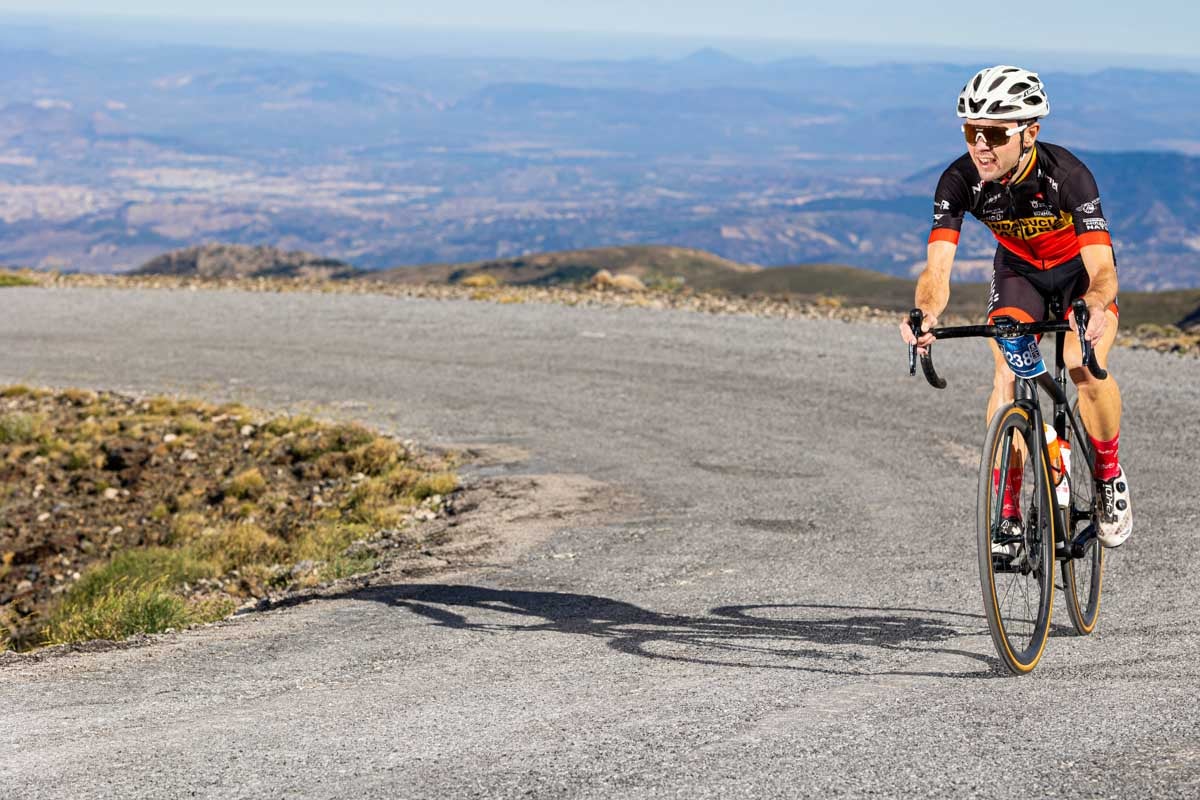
110 157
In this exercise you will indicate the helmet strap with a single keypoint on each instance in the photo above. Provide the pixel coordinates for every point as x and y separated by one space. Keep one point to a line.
1012 173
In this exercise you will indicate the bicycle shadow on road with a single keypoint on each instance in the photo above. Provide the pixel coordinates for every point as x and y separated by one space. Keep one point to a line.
843 640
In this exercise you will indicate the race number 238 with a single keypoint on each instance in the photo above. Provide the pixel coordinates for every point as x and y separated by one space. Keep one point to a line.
1023 356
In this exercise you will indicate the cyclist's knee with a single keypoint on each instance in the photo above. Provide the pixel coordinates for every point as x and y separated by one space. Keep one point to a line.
1003 385
1089 386
1002 376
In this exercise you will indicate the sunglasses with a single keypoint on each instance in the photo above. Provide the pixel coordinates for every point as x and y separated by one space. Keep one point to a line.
995 136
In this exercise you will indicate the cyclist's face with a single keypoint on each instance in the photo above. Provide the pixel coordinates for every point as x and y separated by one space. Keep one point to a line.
993 161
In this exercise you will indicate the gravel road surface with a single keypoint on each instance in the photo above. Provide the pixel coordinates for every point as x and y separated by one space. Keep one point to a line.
786 605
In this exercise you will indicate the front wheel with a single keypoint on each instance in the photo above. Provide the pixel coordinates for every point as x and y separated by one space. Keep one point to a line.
1015 537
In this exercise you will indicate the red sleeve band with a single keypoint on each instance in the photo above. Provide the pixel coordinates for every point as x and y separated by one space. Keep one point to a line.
1094 237
943 235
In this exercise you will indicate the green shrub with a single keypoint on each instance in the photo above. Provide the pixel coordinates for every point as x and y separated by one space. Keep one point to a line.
375 457
125 608
140 567
437 483
18 427
325 541
235 546
15 279
248 485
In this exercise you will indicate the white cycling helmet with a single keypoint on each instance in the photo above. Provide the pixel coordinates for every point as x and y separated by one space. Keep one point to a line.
1003 92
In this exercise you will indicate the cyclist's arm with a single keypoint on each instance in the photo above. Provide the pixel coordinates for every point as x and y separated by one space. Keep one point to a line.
933 287
1102 289
950 202
1080 194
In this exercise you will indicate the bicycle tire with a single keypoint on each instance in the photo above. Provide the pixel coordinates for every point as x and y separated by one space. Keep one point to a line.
1018 589
1083 578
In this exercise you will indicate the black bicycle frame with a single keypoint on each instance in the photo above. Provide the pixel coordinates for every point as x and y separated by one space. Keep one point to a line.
1026 397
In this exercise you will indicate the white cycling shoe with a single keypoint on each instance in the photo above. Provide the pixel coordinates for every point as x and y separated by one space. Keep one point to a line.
1116 517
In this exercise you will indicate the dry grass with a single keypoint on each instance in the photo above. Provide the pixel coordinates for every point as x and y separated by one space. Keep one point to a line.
21 278
480 280
226 504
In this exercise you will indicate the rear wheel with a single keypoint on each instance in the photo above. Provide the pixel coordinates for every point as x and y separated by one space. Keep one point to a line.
1083 577
1016 562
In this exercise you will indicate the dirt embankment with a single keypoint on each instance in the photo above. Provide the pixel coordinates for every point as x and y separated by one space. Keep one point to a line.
102 496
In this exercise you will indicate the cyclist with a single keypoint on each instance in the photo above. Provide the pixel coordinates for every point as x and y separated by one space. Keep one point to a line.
1043 207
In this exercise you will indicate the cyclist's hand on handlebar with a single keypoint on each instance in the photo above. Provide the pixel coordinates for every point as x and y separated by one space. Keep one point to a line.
928 323
1097 321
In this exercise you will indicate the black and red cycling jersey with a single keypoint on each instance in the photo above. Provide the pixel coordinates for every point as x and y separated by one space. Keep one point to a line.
1043 217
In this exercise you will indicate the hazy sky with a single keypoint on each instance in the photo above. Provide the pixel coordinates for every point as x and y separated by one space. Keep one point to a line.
1162 27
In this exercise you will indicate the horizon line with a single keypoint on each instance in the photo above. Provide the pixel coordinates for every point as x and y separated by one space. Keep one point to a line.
1188 61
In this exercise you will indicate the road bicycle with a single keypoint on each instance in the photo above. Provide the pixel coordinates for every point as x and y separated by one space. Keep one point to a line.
1033 512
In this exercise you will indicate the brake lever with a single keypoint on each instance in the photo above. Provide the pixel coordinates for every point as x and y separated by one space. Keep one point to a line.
1082 318
915 319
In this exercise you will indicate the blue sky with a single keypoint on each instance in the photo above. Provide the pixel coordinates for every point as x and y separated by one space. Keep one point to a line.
1160 27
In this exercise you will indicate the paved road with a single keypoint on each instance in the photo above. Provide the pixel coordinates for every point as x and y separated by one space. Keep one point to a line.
791 610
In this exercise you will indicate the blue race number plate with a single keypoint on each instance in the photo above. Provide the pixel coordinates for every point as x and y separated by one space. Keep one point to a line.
1023 356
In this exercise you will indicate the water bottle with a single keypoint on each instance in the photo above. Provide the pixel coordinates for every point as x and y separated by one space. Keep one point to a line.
1063 487
1060 452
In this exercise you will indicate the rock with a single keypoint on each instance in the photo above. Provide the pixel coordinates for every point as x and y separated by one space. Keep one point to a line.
302 567
111 494
25 587
621 282
189 455
126 457
628 283
239 261
247 430
170 437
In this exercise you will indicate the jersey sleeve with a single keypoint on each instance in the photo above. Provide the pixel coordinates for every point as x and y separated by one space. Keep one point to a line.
1082 197
950 202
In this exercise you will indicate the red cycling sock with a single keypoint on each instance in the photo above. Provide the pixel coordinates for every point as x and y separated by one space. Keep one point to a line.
1010 507
1107 467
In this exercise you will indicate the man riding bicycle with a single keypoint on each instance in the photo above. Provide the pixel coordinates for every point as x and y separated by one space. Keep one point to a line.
1043 207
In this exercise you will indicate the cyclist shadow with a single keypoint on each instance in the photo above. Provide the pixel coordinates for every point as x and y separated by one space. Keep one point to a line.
805 637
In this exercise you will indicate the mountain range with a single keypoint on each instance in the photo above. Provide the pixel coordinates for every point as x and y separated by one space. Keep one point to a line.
111 155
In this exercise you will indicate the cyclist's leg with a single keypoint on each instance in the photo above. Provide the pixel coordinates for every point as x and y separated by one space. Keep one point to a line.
1099 401
1100 409
1014 296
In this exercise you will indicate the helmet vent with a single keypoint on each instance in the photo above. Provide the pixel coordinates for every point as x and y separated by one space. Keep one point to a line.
1004 92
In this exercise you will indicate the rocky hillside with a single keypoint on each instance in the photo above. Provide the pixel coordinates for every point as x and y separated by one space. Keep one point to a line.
657 267
244 261
652 264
